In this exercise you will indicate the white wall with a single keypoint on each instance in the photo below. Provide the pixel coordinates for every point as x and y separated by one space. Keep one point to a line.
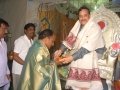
32 14
14 11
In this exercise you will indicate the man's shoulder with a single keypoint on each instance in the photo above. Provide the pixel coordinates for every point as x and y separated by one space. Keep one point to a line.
20 39
95 25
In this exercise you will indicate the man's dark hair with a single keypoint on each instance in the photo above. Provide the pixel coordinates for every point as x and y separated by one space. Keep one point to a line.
29 25
45 33
2 21
84 7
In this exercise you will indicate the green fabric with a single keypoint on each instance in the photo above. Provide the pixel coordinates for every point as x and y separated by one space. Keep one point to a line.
63 71
39 72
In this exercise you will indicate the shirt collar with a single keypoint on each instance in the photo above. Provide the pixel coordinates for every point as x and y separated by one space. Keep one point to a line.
2 39
30 40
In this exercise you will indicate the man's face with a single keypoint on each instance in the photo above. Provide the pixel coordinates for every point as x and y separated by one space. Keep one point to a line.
84 16
50 41
3 30
30 32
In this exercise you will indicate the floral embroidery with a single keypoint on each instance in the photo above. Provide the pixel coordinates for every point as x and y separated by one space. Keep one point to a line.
83 74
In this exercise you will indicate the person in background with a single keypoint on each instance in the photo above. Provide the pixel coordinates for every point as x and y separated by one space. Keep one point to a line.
39 71
21 47
4 70
85 41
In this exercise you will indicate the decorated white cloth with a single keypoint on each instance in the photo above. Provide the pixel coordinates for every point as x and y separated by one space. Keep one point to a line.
84 72
109 22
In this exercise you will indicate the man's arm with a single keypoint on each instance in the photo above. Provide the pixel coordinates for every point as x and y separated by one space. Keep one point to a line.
17 58
80 53
63 48
18 47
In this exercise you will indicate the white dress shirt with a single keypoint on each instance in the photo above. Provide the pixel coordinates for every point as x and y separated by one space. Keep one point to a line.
21 46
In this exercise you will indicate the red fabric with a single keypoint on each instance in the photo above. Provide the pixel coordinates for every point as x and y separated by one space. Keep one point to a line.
116 85
115 46
101 24
71 39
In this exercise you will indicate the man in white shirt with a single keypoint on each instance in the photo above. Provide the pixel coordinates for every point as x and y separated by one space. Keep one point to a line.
21 47
4 71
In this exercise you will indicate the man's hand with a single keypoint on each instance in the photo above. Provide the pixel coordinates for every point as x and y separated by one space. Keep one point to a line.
57 54
57 61
66 59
